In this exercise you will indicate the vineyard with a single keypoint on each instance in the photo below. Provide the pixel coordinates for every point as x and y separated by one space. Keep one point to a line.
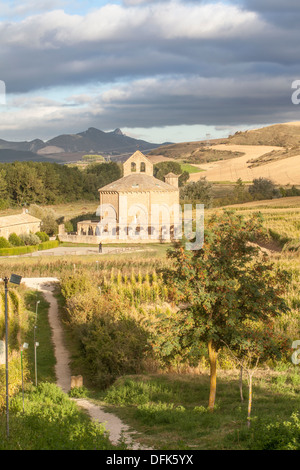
18 318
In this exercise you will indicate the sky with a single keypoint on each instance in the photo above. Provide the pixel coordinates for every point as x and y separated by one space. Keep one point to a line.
160 70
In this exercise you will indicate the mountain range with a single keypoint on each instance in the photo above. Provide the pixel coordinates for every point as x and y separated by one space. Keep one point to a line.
71 147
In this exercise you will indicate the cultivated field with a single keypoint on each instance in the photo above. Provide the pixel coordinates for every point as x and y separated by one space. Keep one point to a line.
285 171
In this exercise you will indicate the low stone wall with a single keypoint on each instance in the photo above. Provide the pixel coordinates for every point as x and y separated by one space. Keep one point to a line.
94 240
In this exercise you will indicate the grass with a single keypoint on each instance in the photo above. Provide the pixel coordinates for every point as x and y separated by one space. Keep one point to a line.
170 411
45 354
190 168
51 421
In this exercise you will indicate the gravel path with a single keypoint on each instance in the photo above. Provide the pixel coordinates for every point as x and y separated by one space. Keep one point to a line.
116 428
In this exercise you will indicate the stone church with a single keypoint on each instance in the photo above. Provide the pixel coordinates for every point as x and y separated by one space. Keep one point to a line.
137 207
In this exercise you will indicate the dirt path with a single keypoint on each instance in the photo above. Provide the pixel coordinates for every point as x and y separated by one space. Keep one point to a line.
117 429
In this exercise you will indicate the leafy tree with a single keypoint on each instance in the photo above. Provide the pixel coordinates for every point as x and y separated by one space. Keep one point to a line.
163 168
259 342
218 288
3 184
240 193
47 216
263 188
200 191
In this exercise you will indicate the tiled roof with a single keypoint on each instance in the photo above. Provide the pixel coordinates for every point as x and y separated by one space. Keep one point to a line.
138 182
19 219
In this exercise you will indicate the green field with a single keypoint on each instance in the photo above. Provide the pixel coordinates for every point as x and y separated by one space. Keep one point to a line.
190 168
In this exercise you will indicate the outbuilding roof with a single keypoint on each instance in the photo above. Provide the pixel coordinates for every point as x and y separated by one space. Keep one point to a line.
19 219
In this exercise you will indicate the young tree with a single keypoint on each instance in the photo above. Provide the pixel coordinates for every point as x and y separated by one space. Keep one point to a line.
260 342
220 286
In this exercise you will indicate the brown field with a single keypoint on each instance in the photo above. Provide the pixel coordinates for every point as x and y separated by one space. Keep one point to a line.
285 171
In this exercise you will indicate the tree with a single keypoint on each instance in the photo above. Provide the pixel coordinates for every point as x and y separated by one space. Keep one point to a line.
221 286
47 216
197 191
263 188
163 168
260 342
240 193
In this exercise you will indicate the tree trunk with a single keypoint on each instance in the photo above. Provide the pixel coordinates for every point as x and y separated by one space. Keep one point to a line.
241 383
249 401
213 375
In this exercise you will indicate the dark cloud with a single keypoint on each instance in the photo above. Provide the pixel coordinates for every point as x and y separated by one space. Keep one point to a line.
167 63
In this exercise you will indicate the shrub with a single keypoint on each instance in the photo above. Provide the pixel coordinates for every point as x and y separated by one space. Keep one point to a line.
4 243
15 240
281 435
78 392
30 239
42 236
113 348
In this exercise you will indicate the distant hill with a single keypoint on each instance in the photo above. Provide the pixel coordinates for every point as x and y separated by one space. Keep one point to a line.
32 146
279 135
284 136
8 156
94 140
71 147
193 152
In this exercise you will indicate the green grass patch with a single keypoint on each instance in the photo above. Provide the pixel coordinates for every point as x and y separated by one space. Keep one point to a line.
51 421
45 353
190 168
170 411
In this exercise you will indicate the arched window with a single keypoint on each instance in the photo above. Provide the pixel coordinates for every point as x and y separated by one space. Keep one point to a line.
143 167
133 167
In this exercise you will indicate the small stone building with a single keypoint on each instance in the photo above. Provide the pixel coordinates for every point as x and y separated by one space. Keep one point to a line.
23 223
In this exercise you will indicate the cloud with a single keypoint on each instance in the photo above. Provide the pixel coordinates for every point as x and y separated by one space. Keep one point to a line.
161 63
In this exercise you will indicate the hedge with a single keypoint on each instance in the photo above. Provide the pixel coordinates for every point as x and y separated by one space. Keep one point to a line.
21 250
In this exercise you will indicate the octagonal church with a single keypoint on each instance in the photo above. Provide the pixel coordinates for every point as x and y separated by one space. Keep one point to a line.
137 207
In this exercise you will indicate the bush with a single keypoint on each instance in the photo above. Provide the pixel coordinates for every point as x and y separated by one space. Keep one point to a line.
282 435
30 239
42 236
113 348
15 240
4 243
21 250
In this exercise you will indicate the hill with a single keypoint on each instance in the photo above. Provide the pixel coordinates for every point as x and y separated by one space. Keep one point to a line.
279 135
94 140
272 152
10 155
71 147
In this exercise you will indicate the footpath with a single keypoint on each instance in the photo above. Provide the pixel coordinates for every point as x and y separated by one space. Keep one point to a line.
117 429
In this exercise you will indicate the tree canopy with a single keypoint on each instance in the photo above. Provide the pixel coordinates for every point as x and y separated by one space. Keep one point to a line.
220 289
51 183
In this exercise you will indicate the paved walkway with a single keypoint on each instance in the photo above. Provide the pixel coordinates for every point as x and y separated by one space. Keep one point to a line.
116 428
80 251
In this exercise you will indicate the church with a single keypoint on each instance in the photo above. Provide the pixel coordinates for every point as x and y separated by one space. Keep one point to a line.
137 207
